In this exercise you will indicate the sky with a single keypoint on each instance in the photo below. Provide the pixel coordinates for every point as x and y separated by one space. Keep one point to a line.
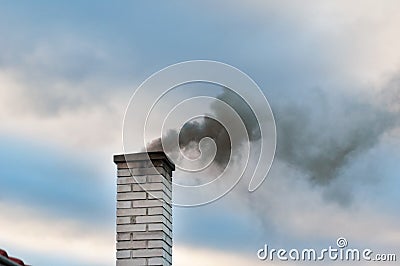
329 69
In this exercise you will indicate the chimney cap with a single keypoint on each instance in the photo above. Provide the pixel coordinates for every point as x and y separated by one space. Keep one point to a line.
143 156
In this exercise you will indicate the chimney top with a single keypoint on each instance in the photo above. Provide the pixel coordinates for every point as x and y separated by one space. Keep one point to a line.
144 156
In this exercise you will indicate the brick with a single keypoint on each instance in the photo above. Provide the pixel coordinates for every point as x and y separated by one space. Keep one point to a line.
160 244
131 180
124 173
167 239
131 196
168 184
142 171
124 204
123 236
123 220
150 219
159 227
168 257
149 187
147 203
158 262
169 193
154 219
149 235
131 245
121 228
124 188
159 195
123 254
159 179
146 253
132 262
155 178
130 212
160 211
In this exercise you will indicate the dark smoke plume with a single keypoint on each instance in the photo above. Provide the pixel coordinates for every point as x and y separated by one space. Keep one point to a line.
322 139
193 131
319 135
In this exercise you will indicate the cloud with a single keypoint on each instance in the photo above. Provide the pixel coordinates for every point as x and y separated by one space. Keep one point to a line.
40 175
295 213
200 256
95 127
59 77
313 38
38 232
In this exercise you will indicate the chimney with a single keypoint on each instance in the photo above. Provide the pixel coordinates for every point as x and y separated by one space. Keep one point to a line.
144 210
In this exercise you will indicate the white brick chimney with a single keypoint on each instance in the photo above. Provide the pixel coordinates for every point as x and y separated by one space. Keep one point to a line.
144 211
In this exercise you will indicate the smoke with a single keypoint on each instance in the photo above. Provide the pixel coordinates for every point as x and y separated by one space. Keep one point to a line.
326 132
319 134
190 136
323 136
192 132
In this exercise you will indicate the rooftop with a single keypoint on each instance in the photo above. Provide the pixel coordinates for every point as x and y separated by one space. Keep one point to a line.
6 260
